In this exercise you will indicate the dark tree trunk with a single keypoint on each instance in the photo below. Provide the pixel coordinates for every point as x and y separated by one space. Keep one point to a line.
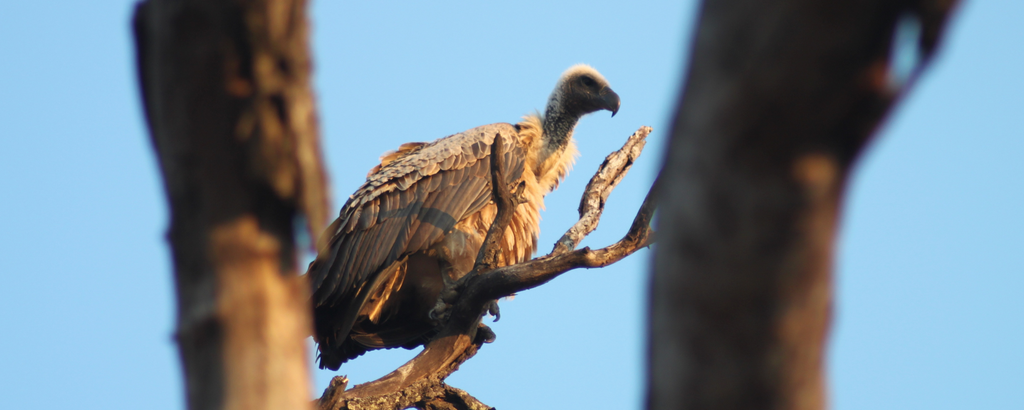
780 98
226 91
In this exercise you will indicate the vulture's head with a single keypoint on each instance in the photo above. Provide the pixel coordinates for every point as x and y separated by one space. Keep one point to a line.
582 90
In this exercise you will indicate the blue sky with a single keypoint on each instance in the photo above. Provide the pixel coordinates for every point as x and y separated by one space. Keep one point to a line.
929 267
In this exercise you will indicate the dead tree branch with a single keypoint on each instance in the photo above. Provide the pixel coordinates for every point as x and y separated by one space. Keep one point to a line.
506 201
612 170
420 382
226 90
780 98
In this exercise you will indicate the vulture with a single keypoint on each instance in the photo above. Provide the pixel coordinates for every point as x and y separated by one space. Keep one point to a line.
425 211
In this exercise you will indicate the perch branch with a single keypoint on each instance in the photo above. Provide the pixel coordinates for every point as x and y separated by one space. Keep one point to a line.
608 175
420 382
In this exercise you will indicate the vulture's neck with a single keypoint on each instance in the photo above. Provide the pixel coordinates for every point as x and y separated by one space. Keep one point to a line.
558 126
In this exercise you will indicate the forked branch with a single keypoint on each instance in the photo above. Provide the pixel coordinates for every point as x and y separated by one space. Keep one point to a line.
420 382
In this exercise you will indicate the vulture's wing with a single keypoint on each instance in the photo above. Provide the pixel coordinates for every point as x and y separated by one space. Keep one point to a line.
404 207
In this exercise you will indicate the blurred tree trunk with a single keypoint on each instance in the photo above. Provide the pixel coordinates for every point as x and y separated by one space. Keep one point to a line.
780 98
227 96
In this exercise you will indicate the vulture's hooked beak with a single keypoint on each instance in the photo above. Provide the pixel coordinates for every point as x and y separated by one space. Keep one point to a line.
610 100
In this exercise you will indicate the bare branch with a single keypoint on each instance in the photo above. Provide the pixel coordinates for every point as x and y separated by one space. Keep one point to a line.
506 201
508 280
421 380
608 175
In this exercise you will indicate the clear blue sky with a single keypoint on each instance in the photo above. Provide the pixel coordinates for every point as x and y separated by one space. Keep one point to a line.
930 259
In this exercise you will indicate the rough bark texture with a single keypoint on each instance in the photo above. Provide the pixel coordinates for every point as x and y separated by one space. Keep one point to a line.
420 382
226 91
780 98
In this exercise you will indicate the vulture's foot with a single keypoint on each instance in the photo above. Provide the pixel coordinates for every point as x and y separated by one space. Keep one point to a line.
493 310
442 309
440 312
484 334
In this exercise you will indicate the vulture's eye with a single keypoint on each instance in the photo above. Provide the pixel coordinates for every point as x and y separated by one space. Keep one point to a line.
587 81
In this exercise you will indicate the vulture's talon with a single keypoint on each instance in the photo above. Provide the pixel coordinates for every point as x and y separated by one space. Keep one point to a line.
519 194
484 334
493 310
448 296
440 312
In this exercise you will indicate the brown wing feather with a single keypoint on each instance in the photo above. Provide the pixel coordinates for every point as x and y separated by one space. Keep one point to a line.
404 207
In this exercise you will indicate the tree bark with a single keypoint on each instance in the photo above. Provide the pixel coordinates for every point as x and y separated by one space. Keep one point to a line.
779 100
227 96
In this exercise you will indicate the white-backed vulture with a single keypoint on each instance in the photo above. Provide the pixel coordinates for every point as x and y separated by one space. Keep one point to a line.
425 211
